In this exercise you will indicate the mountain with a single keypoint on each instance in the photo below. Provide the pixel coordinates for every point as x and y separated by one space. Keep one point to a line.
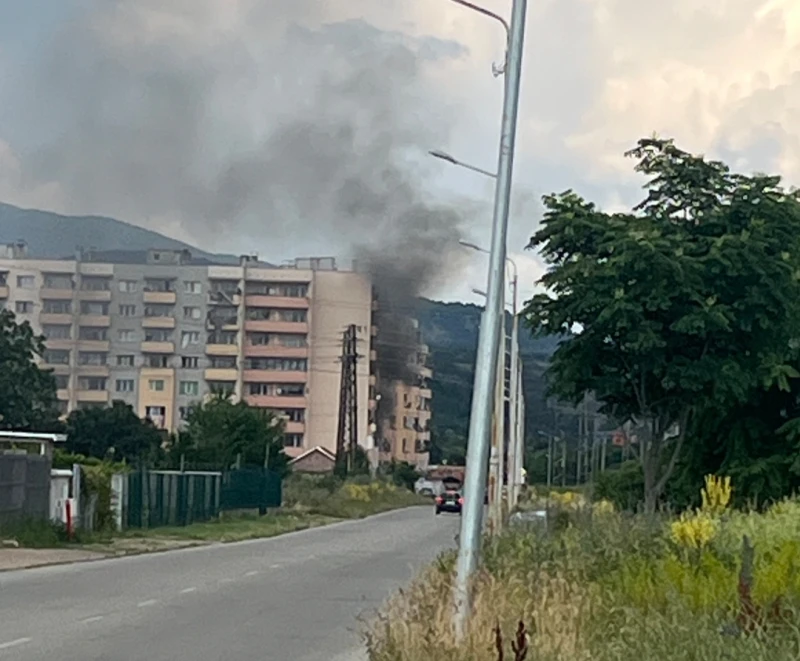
51 235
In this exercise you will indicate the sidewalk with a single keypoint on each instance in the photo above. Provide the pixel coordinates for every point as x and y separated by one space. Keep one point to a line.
11 558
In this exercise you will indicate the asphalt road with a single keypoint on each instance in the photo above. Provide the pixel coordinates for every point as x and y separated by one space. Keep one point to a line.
297 597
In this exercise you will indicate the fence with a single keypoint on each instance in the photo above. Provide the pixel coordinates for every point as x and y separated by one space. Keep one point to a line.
174 498
24 487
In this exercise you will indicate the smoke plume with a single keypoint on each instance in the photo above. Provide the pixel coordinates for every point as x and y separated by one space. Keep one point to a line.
273 121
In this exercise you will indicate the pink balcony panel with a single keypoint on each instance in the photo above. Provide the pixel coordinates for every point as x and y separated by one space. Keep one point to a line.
270 376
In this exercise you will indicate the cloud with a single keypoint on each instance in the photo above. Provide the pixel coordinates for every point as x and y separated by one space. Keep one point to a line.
721 76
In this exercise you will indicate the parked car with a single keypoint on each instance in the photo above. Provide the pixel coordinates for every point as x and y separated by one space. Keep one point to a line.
449 501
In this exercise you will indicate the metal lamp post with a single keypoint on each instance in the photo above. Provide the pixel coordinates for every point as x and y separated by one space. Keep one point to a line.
490 328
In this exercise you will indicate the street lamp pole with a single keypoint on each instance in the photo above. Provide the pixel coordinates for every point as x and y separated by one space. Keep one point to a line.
490 331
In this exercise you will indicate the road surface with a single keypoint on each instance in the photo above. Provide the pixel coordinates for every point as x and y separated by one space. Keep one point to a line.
292 598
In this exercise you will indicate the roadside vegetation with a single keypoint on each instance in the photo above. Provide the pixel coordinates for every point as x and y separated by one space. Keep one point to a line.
712 584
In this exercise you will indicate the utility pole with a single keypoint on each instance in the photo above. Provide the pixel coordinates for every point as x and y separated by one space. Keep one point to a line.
515 441
498 445
490 333
347 433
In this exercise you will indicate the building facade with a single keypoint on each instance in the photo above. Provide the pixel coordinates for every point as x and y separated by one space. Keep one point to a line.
161 331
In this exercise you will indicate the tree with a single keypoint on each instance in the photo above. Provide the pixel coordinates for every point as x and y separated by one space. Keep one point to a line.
219 432
690 301
27 393
113 432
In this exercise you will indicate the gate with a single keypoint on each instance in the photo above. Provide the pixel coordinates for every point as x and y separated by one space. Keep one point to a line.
250 488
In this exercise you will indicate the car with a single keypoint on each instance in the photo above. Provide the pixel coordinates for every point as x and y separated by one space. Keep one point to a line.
449 501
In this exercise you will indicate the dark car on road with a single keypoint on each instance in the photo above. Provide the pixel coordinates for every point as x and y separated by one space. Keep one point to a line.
449 501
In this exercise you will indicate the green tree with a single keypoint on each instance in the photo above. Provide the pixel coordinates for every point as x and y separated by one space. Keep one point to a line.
27 393
115 433
690 301
218 432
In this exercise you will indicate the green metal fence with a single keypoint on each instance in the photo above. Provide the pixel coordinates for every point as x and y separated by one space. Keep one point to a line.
251 488
175 498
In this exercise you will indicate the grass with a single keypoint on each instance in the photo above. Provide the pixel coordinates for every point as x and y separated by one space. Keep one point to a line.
601 586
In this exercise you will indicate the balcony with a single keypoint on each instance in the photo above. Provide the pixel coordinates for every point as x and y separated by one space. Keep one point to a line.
295 428
274 376
373 355
93 370
55 319
167 297
4 291
284 302
93 295
158 322
101 346
63 394
92 395
274 351
222 349
268 326
60 345
157 347
276 401
425 393
49 294
96 320
221 374
425 372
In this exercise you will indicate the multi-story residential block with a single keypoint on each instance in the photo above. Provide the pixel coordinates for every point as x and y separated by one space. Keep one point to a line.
160 331
406 430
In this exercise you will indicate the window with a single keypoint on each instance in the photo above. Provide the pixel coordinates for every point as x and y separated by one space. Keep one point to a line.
277 389
125 361
158 285
189 388
292 315
58 281
56 357
184 412
156 360
26 281
258 314
293 440
157 415
157 310
128 286
221 387
52 332
156 385
125 385
92 383
190 337
127 310
258 339
277 364
93 358
62 406
289 289
192 287
223 315
94 308
226 287
189 362
56 307
222 337
157 335
93 334
293 415
295 341
191 312
23 307
62 381
223 362
126 335
95 283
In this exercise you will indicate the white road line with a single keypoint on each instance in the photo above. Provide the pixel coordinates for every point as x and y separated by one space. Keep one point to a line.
188 590
251 573
149 602
274 566
226 580
89 620
14 643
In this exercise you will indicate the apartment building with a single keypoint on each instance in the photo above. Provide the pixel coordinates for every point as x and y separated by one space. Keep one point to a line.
406 430
161 330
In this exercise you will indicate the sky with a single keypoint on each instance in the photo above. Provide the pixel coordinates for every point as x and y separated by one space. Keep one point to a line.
173 114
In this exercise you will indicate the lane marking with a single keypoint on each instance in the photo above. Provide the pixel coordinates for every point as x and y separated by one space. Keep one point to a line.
15 643
251 573
89 620
188 590
274 566
226 580
148 602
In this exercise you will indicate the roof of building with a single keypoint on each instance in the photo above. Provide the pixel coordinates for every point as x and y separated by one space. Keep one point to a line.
318 449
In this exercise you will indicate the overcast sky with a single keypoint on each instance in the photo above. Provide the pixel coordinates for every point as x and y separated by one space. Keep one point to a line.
169 113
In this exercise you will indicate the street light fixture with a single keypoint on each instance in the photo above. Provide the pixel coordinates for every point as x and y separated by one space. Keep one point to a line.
444 156
490 334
